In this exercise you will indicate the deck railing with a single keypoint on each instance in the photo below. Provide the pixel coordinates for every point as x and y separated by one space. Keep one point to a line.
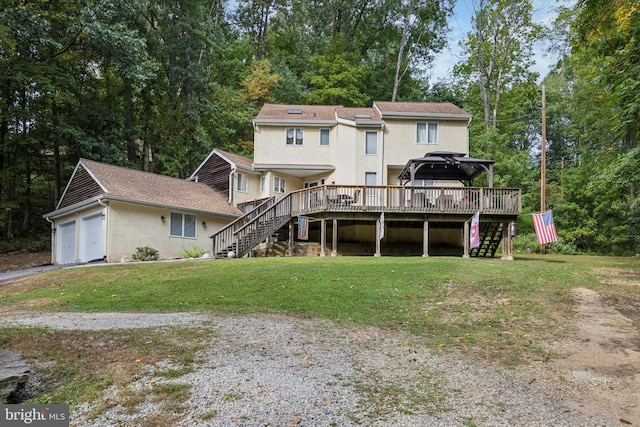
448 200
252 228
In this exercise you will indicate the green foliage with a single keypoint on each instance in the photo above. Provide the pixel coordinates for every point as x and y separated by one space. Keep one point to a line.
193 252
145 253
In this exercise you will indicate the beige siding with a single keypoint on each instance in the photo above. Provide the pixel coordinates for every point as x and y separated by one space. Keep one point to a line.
132 226
346 152
271 147
401 144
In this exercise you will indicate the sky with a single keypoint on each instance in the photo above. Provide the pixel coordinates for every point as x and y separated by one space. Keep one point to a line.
544 12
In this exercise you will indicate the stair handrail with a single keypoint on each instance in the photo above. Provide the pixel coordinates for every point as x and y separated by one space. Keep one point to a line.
250 234
224 237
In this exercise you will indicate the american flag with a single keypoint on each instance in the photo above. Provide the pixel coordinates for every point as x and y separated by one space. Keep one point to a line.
545 228
474 238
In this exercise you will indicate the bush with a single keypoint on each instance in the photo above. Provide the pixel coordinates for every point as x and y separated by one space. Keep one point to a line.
194 252
528 243
145 253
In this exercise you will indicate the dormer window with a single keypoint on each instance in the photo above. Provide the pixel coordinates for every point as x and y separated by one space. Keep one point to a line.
295 136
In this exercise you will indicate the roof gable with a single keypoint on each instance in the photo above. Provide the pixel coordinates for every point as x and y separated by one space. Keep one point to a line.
230 158
142 187
81 186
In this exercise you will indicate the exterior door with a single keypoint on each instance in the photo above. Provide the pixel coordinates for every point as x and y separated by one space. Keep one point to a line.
91 238
66 244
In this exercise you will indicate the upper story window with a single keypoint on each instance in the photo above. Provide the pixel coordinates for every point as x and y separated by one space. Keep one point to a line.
371 143
241 182
427 133
183 225
279 185
295 136
324 136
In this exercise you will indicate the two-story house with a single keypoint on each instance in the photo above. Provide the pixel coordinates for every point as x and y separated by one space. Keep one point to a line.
393 178
345 167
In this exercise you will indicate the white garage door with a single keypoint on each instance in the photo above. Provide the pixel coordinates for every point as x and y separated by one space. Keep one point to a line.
91 238
66 243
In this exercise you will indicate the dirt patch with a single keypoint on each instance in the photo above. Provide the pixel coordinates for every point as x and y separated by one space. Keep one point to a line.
21 260
604 354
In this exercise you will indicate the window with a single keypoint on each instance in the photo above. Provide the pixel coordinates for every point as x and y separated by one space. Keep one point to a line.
427 133
310 184
370 178
183 225
263 184
279 185
324 136
294 136
241 182
371 143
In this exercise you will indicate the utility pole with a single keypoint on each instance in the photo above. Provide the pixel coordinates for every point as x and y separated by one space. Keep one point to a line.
543 161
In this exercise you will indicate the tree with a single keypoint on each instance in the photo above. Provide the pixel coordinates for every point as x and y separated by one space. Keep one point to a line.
499 50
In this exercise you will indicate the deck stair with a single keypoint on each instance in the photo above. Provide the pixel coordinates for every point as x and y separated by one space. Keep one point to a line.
490 238
249 230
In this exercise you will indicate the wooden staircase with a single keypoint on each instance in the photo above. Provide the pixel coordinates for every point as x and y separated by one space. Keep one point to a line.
246 232
490 238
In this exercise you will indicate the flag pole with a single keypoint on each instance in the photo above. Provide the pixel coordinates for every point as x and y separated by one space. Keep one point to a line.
543 160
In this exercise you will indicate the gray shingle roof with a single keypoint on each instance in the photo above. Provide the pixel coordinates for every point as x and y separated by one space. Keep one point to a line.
419 108
135 185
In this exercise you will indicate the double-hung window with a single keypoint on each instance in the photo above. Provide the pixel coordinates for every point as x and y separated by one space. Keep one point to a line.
279 185
183 225
324 136
427 133
295 136
241 182
371 143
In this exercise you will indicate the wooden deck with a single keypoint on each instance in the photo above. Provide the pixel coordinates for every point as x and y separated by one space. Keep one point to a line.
397 199
426 207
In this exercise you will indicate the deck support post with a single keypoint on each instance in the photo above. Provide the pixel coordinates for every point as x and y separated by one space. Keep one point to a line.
290 243
465 240
334 238
425 239
323 237
507 242
378 238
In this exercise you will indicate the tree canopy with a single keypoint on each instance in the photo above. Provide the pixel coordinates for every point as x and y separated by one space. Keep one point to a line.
156 85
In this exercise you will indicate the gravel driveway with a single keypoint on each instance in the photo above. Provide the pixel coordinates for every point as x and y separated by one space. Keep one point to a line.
283 371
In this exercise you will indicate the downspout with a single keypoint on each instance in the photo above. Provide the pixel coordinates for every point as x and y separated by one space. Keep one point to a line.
382 168
233 171
54 249
105 235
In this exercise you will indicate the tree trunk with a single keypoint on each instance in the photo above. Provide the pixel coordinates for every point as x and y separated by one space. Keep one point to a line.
128 119
403 43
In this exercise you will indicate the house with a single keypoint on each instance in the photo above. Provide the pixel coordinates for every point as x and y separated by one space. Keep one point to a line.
107 211
346 168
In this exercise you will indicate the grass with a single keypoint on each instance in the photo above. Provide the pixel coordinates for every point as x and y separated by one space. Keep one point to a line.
449 300
505 311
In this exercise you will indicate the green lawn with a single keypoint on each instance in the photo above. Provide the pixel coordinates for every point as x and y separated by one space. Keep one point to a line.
501 308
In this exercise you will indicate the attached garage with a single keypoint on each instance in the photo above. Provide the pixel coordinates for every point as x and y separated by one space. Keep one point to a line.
107 212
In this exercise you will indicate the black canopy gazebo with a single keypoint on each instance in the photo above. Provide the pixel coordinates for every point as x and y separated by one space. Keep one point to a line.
448 166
